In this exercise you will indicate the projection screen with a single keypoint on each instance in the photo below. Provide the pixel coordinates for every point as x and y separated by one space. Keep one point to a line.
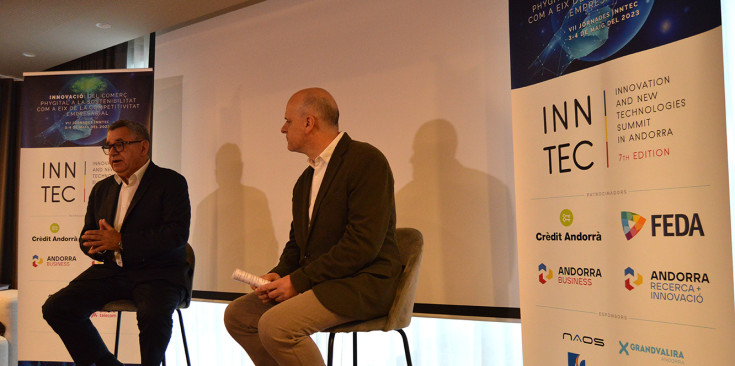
426 82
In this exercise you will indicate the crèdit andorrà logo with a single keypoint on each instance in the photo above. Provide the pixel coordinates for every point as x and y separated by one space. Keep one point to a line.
566 217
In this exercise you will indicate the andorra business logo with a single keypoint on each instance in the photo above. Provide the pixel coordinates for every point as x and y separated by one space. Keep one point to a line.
631 279
544 274
54 260
669 224
569 275
575 359
37 261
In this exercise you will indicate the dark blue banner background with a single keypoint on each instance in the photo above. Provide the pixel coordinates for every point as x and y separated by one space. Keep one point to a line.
550 38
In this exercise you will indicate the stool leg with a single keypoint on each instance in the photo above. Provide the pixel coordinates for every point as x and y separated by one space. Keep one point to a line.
183 336
354 348
405 346
330 349
117 332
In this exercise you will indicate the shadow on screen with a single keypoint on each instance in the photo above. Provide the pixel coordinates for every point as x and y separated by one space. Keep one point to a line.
233 228
463 214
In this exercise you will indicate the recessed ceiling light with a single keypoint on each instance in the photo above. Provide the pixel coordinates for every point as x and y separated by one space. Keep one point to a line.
103 26
29 54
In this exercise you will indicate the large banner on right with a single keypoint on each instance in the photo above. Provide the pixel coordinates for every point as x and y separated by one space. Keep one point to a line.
623 215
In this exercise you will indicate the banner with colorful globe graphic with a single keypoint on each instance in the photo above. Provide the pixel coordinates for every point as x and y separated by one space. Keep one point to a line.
64 123
622 201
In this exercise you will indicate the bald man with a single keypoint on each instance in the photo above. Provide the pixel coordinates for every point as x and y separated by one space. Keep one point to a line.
341 262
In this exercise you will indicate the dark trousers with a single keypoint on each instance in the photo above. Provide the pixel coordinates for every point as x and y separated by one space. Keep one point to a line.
68 312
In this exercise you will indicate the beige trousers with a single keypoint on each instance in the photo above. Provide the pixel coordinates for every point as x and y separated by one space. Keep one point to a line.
279 333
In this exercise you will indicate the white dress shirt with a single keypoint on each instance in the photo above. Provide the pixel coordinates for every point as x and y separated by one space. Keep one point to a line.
127 191
320 166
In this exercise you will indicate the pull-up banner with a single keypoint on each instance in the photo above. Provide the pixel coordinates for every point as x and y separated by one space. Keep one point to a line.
623 215
64 123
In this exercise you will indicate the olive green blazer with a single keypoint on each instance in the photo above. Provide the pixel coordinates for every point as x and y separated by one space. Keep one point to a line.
348 254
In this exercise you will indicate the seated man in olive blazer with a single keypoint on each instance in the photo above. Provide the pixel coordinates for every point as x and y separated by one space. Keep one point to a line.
341 262
137 223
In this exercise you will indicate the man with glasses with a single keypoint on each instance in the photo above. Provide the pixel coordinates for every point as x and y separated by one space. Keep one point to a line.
137 224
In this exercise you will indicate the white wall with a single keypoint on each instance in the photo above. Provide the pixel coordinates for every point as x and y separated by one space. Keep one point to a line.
433 341
427 82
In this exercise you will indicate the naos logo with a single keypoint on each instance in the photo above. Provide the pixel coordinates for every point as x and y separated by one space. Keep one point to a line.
583 339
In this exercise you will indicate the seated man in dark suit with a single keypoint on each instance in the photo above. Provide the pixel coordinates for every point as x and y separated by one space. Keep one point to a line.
137 223
341 261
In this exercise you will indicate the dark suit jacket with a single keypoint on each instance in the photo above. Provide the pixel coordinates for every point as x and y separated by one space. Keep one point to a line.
348 255
155 230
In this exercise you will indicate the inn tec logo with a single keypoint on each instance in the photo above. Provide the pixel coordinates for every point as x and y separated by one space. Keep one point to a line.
575 359
637 280
668 224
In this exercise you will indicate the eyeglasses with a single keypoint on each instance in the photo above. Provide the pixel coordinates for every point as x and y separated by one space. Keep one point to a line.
118 146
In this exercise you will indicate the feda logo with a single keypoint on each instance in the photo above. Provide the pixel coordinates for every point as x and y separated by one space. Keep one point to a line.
662 224
630 275
636 220
544 275
575 359
676 225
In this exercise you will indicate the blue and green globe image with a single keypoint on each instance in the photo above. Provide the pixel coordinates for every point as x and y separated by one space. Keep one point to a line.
592 30
85 121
